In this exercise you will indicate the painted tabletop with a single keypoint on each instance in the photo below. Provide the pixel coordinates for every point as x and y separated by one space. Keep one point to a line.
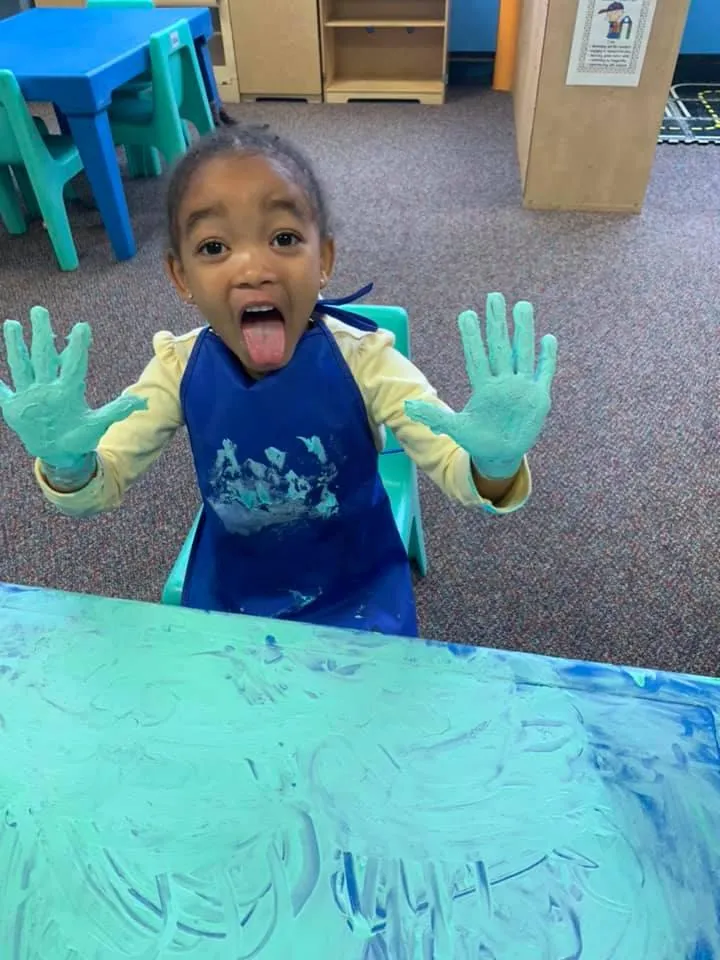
180 784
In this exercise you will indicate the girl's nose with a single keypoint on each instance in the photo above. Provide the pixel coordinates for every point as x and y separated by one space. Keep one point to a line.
251 268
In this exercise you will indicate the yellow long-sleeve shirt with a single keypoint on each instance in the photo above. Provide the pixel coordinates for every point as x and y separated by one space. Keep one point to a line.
386 380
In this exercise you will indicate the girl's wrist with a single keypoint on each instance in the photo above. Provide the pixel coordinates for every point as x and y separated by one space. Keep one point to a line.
71 478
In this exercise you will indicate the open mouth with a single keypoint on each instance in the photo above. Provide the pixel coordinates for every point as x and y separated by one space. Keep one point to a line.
263 330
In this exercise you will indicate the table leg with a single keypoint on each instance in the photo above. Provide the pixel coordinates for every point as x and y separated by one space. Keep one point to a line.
94 140
208 74
62 122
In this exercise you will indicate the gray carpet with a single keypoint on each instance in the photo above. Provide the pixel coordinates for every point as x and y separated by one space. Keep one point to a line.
616 556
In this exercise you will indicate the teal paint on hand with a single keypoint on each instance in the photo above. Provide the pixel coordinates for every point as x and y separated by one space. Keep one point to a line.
177 783
510 396
47 409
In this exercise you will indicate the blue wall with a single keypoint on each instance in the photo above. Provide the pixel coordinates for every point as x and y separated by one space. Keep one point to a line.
473 26
702 33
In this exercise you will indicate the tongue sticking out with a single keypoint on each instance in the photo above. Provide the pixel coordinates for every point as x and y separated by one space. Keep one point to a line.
264 336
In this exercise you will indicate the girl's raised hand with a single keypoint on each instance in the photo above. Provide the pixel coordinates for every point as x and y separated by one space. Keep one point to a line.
47 408
510 395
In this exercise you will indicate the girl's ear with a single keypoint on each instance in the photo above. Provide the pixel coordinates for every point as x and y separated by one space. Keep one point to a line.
174 270
327 260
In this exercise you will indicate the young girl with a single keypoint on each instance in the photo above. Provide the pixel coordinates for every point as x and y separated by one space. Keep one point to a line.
284 405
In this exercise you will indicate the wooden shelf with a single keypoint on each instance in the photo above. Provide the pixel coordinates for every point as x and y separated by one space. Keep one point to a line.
385 13
379 24
347 88
405 58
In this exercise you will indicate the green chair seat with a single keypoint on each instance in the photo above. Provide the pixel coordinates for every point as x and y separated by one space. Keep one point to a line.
397 472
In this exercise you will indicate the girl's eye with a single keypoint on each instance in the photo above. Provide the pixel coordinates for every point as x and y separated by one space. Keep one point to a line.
212 248
286 239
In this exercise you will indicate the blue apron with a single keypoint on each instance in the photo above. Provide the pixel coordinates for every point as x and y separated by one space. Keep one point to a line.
296 523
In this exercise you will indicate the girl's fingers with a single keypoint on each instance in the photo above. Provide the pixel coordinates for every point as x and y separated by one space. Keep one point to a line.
476 360
43 353
5 392
436 418
498 338
524 339
547 364
18 358
116 410
74 358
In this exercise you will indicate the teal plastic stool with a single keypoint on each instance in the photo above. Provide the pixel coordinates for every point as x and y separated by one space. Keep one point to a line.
177 94
42 165
397 472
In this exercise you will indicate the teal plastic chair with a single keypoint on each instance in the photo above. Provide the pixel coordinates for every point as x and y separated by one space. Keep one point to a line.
41 165
177 95
397 471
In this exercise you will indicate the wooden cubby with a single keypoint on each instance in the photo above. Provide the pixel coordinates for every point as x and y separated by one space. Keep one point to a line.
384 49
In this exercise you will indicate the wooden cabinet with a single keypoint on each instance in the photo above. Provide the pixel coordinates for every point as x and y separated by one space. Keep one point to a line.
384 49
277 49
587 147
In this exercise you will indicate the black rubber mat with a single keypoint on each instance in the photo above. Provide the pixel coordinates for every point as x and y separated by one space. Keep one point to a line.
692 114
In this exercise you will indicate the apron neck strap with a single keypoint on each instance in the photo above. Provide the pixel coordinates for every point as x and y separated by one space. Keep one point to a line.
336 308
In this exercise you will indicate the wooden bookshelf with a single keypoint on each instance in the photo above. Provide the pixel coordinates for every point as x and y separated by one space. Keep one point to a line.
384 49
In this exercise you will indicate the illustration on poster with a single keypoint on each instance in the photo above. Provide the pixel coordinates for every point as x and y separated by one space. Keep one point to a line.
617 21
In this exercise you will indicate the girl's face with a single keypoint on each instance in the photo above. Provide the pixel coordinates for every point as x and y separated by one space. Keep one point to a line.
251 258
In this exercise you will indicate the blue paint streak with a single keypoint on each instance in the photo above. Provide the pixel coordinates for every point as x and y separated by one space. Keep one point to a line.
702 951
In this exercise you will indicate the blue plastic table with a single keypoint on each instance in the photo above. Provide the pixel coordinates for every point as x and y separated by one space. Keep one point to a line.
174 783
75 58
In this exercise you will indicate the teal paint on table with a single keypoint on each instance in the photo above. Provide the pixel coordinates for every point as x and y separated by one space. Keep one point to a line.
174 783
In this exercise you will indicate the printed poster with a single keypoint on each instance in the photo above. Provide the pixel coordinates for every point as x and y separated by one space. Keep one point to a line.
609 43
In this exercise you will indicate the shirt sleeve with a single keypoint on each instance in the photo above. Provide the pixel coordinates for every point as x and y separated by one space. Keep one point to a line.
129 448
387 379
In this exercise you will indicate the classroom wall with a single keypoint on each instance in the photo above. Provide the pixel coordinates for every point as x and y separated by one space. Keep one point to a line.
473 26
702 32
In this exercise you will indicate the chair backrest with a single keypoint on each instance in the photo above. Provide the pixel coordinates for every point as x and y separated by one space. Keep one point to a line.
174 63
120 3
20 141
394 319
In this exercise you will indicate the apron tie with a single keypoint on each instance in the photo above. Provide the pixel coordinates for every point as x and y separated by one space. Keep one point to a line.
335 308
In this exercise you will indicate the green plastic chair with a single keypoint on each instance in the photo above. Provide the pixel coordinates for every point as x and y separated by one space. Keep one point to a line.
397 471
178 93
42 165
